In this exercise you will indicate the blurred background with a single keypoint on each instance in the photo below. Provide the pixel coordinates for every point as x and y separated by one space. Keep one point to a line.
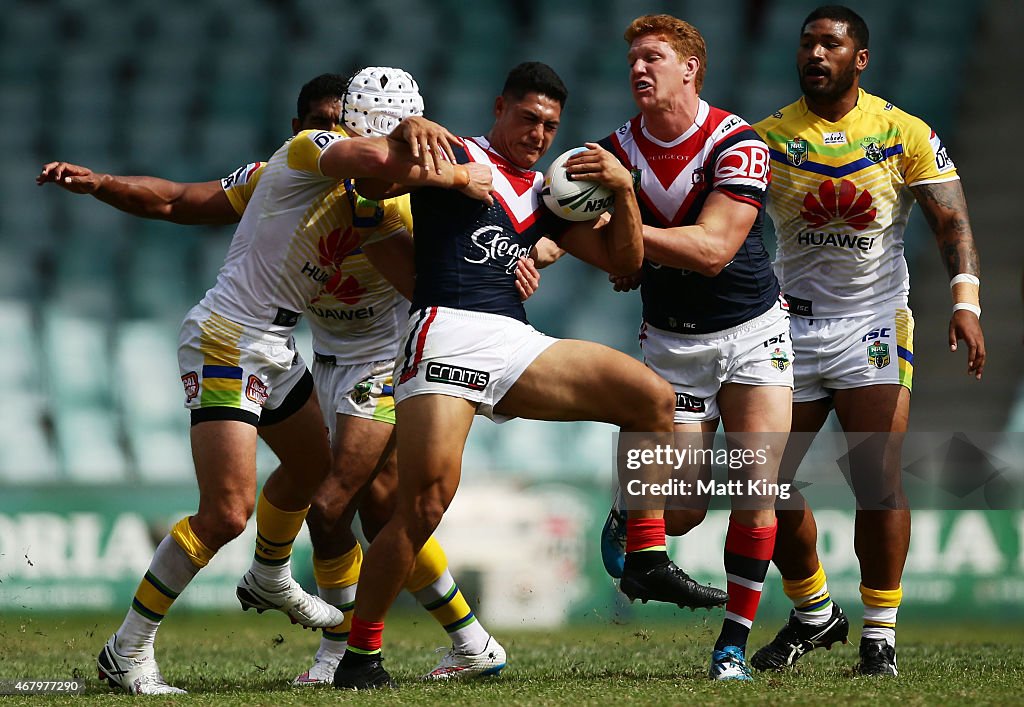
94 455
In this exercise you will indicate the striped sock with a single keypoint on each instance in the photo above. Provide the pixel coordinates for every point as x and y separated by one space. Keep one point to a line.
880 609
366 638
178 558
336 582
748 552
811 600
435 589
275 532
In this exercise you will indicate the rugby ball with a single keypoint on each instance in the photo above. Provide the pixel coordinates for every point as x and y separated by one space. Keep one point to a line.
574 199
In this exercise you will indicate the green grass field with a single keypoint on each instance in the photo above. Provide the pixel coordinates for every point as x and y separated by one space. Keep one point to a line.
243 659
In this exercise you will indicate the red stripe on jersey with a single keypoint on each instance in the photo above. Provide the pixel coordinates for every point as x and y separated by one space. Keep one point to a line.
740 198
520 180
421 342
756 543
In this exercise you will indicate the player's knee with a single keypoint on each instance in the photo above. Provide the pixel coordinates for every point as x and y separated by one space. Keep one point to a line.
321 519
654 408
224 524
428 510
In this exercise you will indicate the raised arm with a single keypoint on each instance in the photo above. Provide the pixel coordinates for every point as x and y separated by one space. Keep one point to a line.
614 244
945 209
391 161
148 197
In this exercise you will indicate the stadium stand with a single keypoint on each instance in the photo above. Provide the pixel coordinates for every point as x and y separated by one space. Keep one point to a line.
90 298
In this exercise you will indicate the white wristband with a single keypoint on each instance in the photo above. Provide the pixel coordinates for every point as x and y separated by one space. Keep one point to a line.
965 277
969 307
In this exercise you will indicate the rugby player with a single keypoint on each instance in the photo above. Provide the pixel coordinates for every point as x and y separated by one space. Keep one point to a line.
714 324
847 167
355 326
469 350
240 372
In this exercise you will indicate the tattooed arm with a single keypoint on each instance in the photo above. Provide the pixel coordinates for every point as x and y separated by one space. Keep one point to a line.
945 209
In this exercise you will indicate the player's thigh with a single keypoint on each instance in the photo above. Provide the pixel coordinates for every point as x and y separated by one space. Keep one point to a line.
756 408
695 442
581 380
431 432
361 446
873 408
874 420
300 440
808 419
224 452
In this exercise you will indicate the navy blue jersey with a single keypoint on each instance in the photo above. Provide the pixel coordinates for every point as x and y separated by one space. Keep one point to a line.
466 251
722 153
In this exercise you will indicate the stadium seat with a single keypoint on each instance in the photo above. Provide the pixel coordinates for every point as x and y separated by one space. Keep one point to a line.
22 370
26 454
89 442
77 357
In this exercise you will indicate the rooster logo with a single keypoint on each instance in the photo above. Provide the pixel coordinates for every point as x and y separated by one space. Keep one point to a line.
842 205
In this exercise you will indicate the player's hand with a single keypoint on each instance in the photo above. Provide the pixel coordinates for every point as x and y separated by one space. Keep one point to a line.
73 177
480 185
965 326
598 165
626 283
527 278
429 142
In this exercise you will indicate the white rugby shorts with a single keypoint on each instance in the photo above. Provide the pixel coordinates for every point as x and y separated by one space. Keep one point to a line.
464 354
355 389
853 352
233 372
757 352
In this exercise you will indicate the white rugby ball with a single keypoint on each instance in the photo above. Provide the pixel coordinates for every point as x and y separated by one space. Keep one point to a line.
574 199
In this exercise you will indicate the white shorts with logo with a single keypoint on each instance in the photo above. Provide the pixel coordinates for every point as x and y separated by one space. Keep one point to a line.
471 355
853 352
232 372
357 389
757 352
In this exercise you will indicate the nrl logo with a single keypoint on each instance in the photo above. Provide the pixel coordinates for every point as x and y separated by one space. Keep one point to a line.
878 354
873 149
779 359
796 151
637 175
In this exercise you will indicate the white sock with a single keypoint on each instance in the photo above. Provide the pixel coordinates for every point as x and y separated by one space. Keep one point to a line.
334 640
467 633
170 570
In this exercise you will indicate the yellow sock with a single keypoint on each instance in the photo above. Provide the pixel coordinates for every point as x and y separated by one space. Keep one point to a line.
435 588
880 609
275 532
195 549
338 572
810 597
430 564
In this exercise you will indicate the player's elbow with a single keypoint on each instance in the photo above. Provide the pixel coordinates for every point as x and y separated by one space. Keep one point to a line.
711 267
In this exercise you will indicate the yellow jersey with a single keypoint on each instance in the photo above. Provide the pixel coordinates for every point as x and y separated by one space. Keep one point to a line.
297 227
840 200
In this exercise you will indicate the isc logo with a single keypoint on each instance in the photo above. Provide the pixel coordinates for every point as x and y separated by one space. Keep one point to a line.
880 333
780 339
